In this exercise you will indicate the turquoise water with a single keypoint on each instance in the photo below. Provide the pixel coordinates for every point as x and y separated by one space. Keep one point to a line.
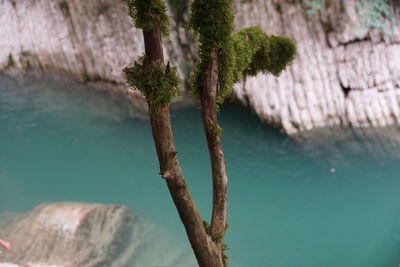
60 142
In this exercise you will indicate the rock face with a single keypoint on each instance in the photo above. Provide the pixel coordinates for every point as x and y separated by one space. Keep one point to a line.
89 41
77 234
340 77
86 40
69 234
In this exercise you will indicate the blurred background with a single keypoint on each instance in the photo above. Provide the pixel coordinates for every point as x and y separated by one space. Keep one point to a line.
313 155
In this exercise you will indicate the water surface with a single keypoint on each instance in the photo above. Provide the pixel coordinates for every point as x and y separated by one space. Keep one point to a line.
330 198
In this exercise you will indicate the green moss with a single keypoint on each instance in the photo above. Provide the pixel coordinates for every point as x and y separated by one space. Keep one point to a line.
10 61
273 56
148 14
217 238
160 84
224 247
212 22
296 125
257 52
64 7
247 52
247 43
25 59
217 132
207 227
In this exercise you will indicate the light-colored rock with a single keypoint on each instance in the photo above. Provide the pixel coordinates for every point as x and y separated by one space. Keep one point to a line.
331 56
87 235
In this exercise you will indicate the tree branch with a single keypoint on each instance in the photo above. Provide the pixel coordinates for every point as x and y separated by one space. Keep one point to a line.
206 252
213 134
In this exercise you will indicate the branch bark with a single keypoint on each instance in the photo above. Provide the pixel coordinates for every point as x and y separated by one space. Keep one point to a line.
206 250
212 131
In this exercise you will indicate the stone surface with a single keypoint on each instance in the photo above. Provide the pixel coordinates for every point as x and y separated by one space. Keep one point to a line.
340 77
78 234
332 58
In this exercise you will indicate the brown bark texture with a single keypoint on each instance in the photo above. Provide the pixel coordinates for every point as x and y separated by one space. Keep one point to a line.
210 124
207 252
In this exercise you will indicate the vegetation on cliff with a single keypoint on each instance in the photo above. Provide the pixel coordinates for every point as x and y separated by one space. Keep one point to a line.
375 14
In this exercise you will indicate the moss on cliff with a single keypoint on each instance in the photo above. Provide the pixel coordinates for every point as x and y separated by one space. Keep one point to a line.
64 7
257 52
10 61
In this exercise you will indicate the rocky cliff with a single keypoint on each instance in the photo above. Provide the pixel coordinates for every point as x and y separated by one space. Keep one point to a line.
340 77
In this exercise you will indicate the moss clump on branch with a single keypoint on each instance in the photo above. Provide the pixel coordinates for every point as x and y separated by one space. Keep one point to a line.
212 21
160 84
246 44
216 131
257 52
149 14
274 56
247 52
